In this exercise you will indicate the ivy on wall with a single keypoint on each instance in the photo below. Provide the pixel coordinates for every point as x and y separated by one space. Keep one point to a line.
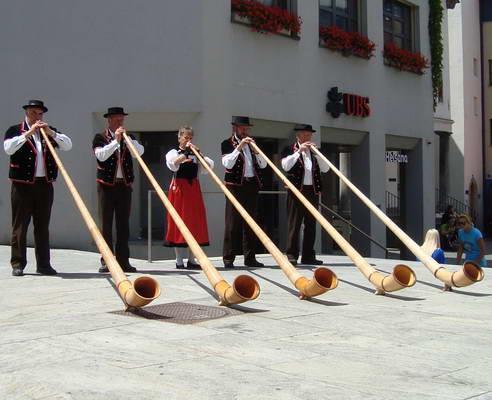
435 34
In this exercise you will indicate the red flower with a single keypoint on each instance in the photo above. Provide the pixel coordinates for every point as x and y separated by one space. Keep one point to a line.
265 19
404 60
349 43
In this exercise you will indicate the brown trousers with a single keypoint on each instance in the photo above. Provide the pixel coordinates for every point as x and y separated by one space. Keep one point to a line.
296 214
31 201
116 201
236 230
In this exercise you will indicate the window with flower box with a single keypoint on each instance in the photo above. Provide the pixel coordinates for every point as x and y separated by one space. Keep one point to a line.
400 44
398 24
343 14
340 28
268 16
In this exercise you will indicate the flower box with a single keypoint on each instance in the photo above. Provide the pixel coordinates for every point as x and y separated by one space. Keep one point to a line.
347 43
265 19
404 60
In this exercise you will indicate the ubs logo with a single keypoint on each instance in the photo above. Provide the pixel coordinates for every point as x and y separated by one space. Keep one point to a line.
350 104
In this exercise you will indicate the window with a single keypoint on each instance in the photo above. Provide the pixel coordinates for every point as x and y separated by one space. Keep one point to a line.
475 67
475 106
397 24
283 4
342 13
490 72
440 93
490 132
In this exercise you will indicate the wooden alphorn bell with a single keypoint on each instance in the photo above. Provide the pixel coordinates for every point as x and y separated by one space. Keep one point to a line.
323 279
469 274
402 275
244 287
137 294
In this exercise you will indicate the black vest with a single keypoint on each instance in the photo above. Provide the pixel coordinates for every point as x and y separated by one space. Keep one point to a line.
23 161
106 170
235 175
188 170
296 173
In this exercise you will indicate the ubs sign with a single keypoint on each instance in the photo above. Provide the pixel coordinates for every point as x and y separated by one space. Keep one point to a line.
347 103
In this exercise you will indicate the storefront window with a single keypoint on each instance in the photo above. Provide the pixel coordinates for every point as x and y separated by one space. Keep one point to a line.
342 13
397 23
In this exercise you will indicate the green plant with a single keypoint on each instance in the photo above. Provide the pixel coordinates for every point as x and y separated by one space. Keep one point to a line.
435 36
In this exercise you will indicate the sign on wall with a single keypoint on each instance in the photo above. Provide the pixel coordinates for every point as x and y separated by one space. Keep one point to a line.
396 157
347 103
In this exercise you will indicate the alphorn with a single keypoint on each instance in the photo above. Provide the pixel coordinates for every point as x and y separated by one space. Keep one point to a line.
469 274
402 275
244 288
323 279
137 294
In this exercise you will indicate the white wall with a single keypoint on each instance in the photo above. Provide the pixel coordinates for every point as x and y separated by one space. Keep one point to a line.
169 61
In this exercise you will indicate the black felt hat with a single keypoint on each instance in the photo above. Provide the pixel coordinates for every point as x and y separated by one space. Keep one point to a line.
35 104
115 111
304 127
237 120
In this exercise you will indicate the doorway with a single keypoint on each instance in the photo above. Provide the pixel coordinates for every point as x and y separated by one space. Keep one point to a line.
156 144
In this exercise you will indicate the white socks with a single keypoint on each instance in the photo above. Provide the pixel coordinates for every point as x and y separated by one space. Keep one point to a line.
180 255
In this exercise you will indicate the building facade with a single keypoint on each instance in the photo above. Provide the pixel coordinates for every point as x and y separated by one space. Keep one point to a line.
486 66
466 144
187 62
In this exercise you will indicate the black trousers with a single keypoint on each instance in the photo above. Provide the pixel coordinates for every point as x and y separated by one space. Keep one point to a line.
115 202
236 229
31 201
297 214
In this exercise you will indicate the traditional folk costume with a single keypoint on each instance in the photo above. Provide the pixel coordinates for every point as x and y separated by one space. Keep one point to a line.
114 187
186 197
243 179
32 172
304 171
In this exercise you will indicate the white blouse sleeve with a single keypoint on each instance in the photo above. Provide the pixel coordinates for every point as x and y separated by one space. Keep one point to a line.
170 158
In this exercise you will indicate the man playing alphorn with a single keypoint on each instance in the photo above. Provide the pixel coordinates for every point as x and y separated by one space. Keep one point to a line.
304 171
243 179
32 171
114 185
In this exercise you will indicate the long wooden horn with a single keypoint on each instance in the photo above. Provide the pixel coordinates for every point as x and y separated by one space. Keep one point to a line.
402 275
323 279
137 294
469 274
244 287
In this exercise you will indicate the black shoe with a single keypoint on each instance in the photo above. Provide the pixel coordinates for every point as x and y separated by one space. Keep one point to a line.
129 268
16 271
312 261
228 265
191 265
180 266
103 269
254 264
48 270
293 261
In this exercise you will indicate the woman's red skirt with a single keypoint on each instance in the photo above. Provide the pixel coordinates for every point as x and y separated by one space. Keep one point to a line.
186 197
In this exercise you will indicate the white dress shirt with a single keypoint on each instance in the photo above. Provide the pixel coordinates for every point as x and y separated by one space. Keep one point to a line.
173 154
103 153
13 144
289 161
228 160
